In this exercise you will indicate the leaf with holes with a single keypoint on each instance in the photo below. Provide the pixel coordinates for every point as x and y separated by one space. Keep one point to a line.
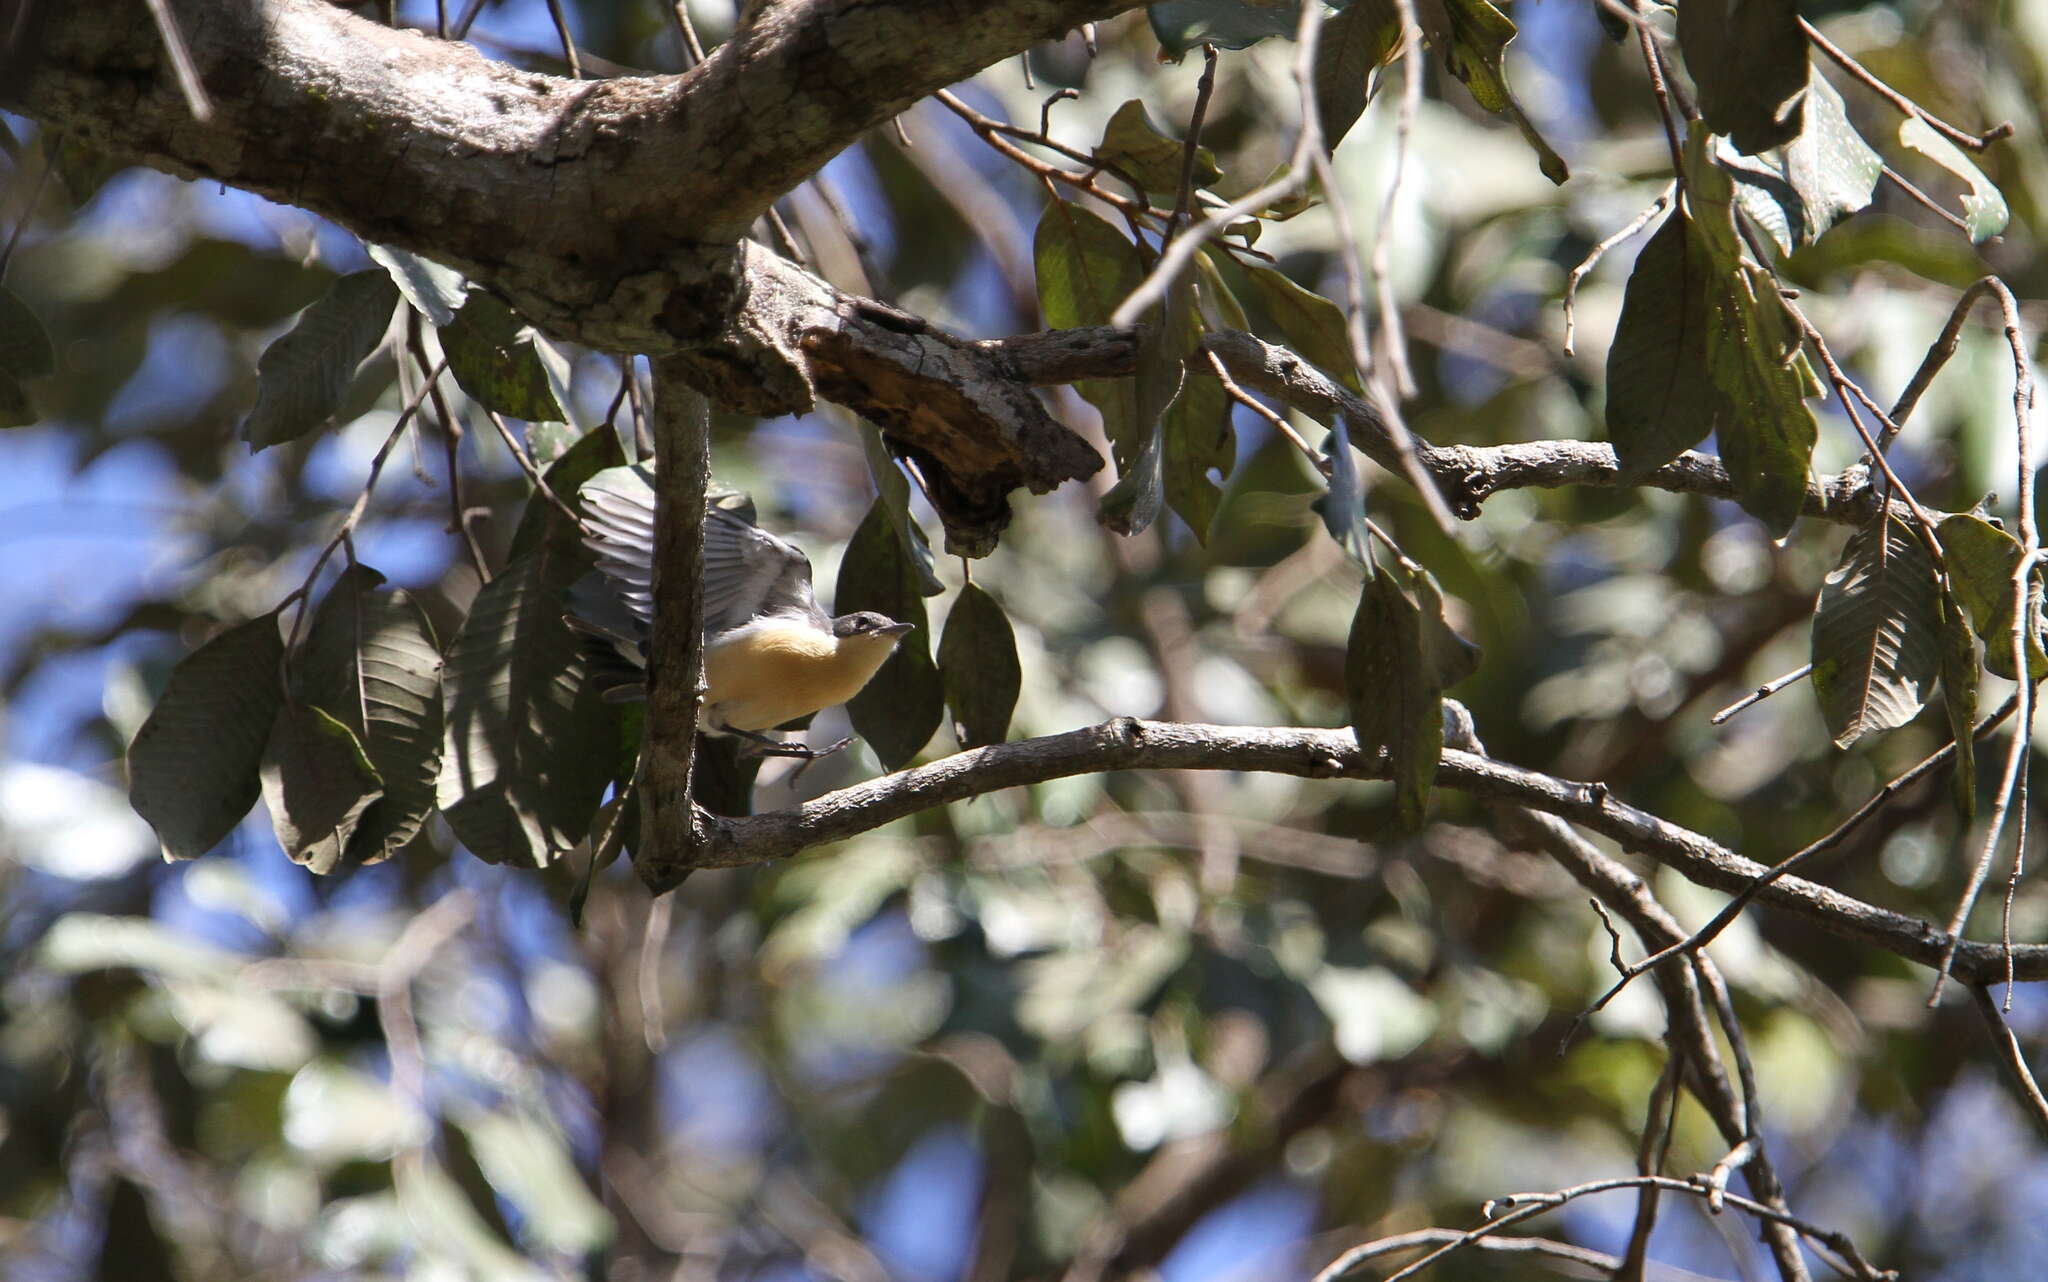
1748 58
897 711
370 660
302 377
1135 145
192 770
978 665
1471 37
1877 634
528 746
1981 559
1985 212
492 354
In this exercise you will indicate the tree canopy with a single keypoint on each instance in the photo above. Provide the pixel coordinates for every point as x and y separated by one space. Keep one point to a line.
1476 576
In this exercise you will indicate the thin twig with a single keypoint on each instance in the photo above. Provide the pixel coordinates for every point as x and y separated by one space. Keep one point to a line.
686 30
1926 201
1600 251
2012 1056
1762 692
1960 137
35 196
561 22
182 65
1393 345
532 470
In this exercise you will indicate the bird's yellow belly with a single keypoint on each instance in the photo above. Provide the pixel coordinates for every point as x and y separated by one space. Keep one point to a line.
764 677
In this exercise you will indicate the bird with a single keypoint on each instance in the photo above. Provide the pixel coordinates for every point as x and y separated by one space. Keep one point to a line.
771 653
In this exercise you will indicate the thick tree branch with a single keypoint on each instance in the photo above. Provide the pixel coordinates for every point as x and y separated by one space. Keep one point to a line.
606 211
669 829
1130 744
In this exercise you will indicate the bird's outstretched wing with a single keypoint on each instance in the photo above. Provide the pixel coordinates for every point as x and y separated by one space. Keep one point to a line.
748 572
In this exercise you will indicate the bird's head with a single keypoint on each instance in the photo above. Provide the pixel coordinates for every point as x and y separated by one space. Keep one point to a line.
868 625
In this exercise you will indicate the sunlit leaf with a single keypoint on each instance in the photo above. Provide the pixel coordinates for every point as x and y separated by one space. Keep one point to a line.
1825 174
1748 58
435 292
302 377
1984 209
900 708
1981 559
192 770
978 665
529 1164
491 352
1877 633
1135 145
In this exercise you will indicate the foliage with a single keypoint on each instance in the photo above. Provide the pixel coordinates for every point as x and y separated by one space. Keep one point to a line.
1213 1021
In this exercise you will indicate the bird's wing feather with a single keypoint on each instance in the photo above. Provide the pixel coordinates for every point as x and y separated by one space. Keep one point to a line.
749 572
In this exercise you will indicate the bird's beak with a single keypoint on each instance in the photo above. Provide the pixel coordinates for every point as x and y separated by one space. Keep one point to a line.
895 629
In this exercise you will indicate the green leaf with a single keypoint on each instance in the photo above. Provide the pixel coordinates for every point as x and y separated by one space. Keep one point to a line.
1471 37
1181 25
435 292
1170 334
192 770
543 522
317 782
1825 174
1877 634
1660 402
529 746
25 349
978 665
897 711
1705 345
491 352
1085 268
1218 306
1312 325
1985 212
1355 43
1397 662
303 376
1981 559
1135 145
1959 699
1199 437
1748 58
370 660
894 489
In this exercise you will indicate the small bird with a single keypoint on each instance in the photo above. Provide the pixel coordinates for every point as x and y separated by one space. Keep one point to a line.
771 653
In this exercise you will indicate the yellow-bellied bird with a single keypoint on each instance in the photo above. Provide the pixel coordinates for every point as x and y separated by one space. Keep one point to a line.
771 653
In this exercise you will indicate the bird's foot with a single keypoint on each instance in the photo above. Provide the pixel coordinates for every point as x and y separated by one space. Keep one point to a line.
760 745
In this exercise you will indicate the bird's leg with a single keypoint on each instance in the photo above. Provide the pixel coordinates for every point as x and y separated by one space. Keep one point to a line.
760 745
